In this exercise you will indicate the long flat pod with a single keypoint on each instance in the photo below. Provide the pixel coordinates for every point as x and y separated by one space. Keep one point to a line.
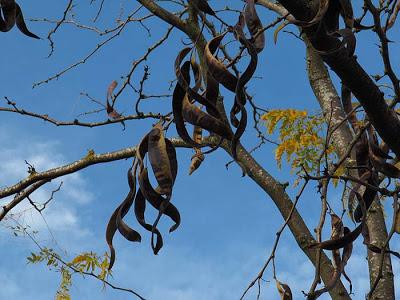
126 231
196 116
216 68
112 228
183 76
159 160
240 98
9 10
140 207
155 199
21 23
254 25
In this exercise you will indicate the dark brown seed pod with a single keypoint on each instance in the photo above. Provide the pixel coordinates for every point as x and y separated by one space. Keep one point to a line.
123 228
322 11
9 10
177 106
254 25
140 207
21 23
203 6
159 160
339 242
183 77
240 98
216 68
114 224
156 199
196 116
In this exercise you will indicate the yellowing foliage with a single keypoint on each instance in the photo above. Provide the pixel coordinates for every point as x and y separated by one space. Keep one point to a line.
87 262
300 137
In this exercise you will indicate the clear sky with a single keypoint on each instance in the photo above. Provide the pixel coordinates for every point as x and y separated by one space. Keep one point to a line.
228 223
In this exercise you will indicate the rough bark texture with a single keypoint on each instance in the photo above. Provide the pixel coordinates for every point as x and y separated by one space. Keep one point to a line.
378 234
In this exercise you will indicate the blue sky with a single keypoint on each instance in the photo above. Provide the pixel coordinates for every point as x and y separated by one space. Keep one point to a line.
228 224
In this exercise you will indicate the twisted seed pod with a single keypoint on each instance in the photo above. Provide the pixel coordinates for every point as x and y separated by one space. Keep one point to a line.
9 10
196 116
240 98
115 223
254 25
140 207
183 77
216 68
21 24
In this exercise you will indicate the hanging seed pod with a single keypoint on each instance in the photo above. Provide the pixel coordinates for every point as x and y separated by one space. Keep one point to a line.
322 11
155 199
341 242
196 116
254 25
216 68
140 207
203 6
336 232
240 97
347 251
115 223
183 77
159 160
9 10
21 23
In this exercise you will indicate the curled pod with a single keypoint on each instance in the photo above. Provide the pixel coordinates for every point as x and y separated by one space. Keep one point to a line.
9 11
140 207
115 223
196 116
216 68
240 98
254 25
21 23
183 77
156 199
